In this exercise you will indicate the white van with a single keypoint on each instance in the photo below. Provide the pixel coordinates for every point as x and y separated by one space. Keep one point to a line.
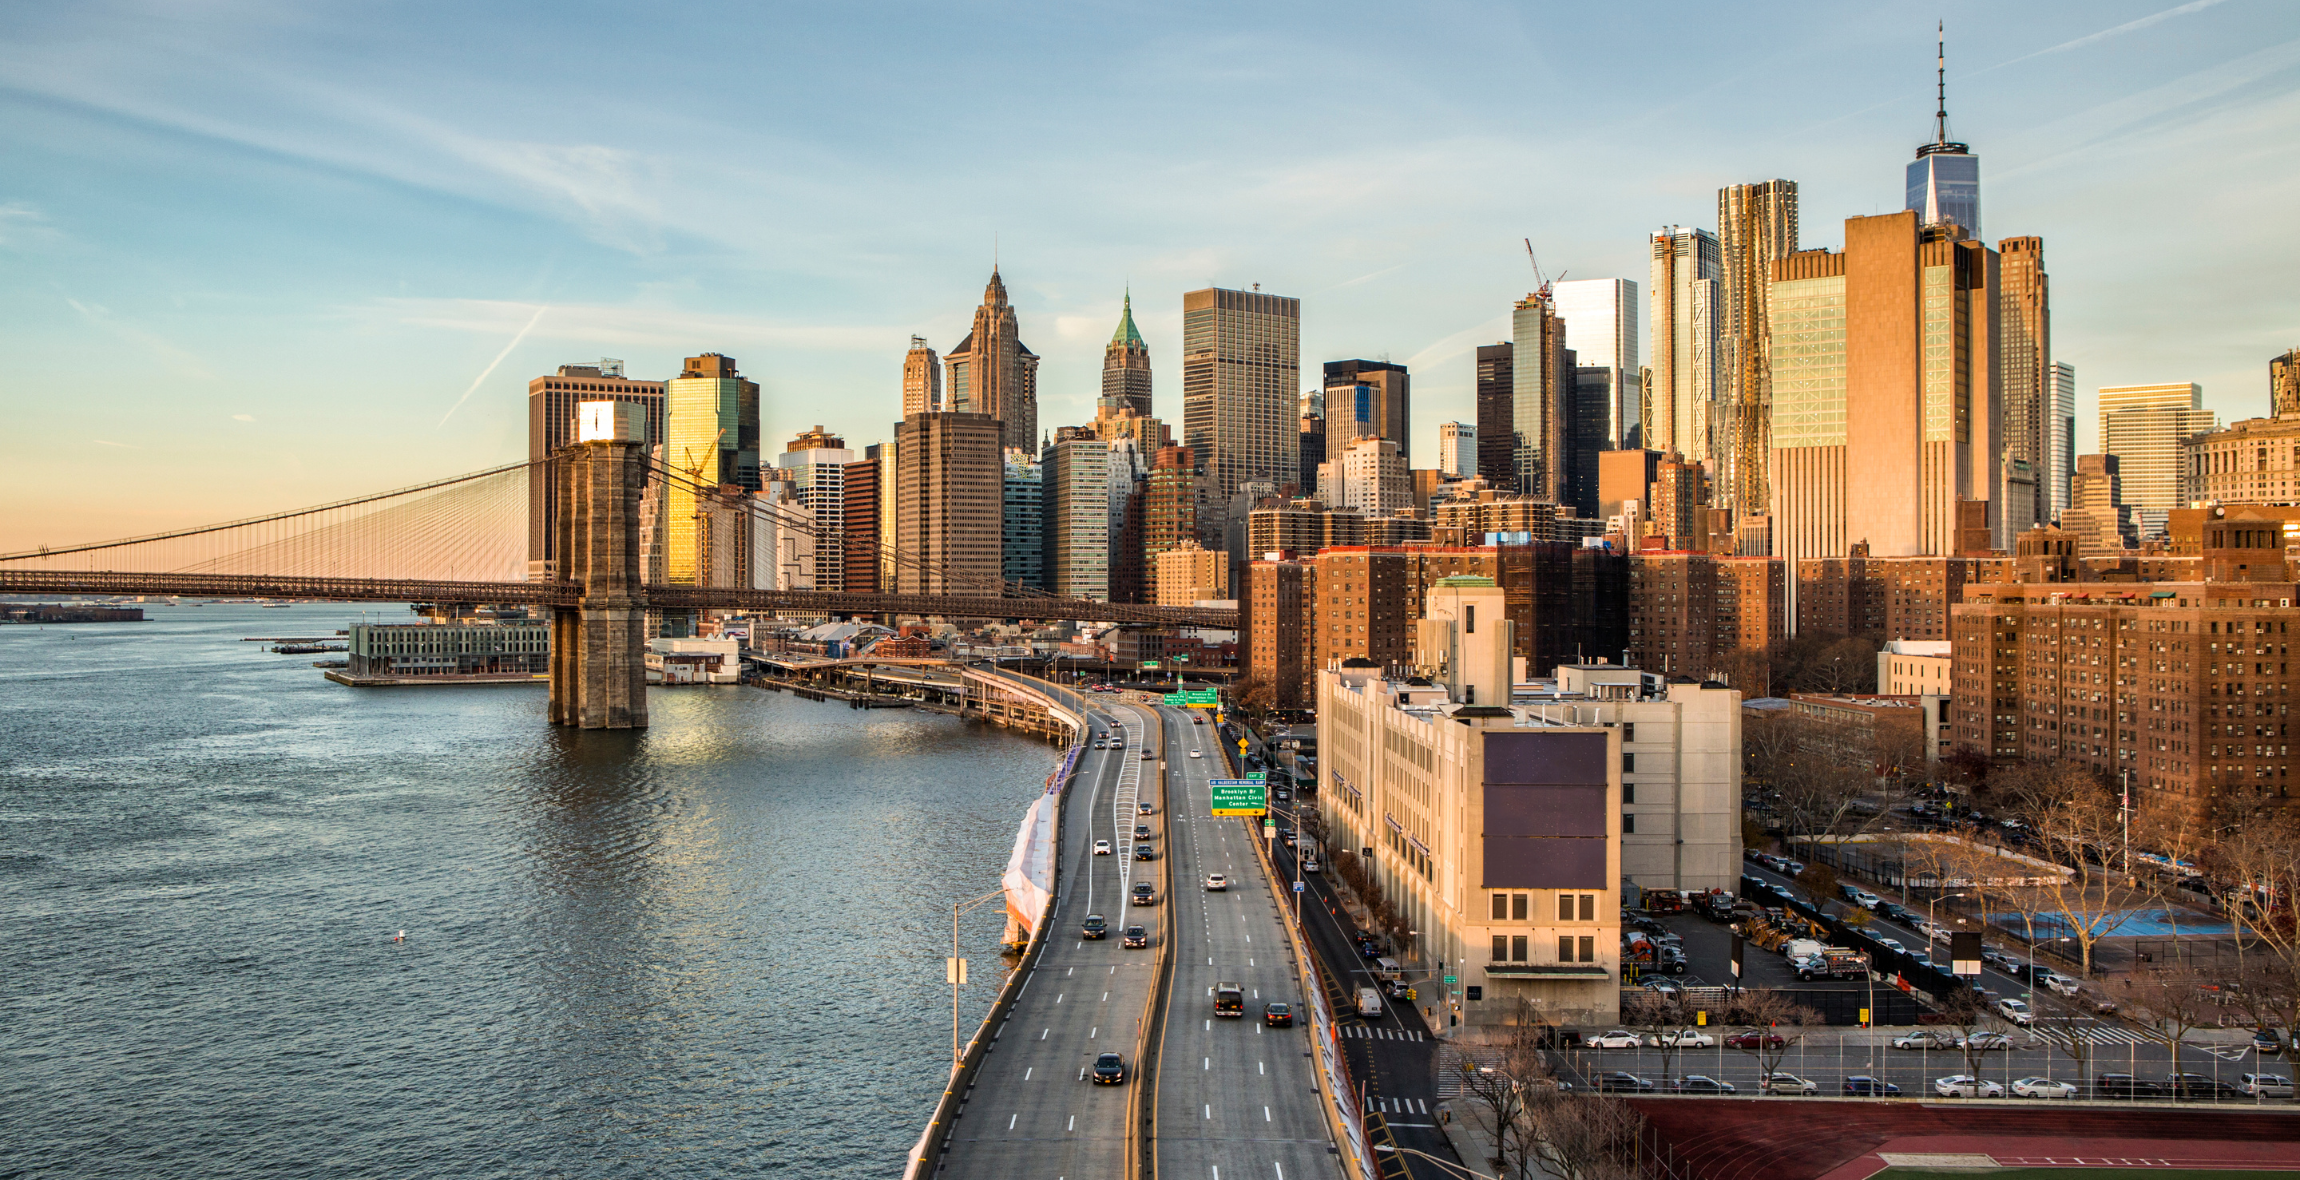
1802 948
1387 968
1369 1002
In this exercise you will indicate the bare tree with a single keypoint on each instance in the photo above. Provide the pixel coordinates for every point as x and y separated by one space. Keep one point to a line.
1587 1136
2257 850
1665 1020
1968 1012
1502 1078
1819 882
2169 1000
1773 1024
2078 826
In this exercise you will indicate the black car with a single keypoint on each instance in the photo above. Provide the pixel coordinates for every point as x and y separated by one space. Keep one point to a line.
1136 936
1868 1087
1110 1070
2124 1085
1145 852
1618 1082
1278 1014
1095 927
1144 894
1141 831
1698 1084
2196 1085
1894 911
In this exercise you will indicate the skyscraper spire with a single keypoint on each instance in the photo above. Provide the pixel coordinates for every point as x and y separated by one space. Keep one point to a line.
1941 84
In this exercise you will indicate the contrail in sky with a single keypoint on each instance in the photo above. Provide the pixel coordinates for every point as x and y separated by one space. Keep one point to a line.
2104 34
490 369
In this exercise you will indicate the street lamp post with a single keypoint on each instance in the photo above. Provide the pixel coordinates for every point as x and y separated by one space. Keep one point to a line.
954 968
1932 928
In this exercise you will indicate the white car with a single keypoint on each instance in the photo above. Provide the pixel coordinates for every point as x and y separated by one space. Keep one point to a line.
1102 848
1981 1042
1217 883
1197 754
1966 1086
2015 1011
2043 1088
1787 1083
1925 1039
2061 983
1617 1039
2266 1085
1687 1038
1893 944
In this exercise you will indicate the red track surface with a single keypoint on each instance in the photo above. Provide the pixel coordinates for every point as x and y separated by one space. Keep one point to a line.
1819 1139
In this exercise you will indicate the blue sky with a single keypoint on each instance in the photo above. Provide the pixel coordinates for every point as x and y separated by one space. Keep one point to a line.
257 255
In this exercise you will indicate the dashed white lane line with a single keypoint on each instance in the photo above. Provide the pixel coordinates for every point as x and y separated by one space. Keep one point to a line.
1010 1120
1042 1035
1026 1073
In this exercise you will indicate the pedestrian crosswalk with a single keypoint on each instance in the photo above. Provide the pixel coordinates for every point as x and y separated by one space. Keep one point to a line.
1379 1105
2095 1034
1382 1034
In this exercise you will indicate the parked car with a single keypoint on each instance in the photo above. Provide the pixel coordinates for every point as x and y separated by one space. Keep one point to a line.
2196 1085
1999 960
1891 944
2124 1085
1110 1070
2061 984
1958 1085
1217 883
1278 1014
1982 1042
1095 927
1102 848
1699 1084
1617 1039
2266 1041
1894 911
1144 894
1755 1040
1860 1086
1787 1083
1925 1038
2043 1088
2266 1085
1618 1082
2016 1011
1136 938
1662 987
1686 1038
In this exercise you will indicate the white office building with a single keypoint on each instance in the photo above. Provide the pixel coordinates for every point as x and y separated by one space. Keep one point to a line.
1602 329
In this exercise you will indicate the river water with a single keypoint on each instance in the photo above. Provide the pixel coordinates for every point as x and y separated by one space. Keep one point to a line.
709 948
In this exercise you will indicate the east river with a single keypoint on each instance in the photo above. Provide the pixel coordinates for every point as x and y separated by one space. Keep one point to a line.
710 948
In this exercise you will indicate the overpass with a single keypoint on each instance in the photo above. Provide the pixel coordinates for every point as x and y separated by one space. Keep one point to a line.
464 540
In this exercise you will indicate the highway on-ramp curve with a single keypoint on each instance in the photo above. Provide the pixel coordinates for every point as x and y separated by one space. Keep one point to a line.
1033 1113
1235 1098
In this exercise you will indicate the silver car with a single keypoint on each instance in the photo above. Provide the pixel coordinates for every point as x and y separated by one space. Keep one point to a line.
1960 1085
2043 1088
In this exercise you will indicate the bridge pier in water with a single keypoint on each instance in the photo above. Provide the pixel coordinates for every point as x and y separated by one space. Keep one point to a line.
599 645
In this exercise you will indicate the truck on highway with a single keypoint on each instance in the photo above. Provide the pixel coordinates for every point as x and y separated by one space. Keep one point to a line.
1229 1000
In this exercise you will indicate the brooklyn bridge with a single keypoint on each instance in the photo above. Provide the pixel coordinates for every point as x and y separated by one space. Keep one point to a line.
464 539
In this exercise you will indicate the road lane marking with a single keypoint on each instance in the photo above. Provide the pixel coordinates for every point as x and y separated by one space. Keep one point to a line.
1091 1032
1042 1034
1058 997
1010 1120
1106 997
1081 1077
1066 971
1209 1024
1210 1114
1265 1114
1074 1118
1026 1073
1206 1063
1262 1067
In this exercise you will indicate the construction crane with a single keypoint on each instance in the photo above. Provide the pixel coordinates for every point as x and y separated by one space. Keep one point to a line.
1544 282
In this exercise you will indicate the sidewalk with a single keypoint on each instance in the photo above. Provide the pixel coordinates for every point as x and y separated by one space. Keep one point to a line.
1468 1125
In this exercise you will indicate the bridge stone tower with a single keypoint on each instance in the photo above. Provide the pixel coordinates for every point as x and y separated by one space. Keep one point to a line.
598 646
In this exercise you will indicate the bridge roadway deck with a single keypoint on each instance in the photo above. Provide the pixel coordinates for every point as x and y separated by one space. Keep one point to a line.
1235 1097
1033 1113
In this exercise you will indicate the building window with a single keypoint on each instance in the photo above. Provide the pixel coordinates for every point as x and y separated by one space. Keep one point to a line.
1629 792
1517 948
1500 907
1629 731
1500 947
1517 906
1628 824
1565 907
1564 948
1588 949
1588 908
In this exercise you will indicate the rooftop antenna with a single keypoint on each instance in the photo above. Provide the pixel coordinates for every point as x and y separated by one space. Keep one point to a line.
1941 84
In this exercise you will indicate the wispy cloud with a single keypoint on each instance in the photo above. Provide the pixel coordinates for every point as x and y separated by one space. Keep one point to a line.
21 224
489 371
243 417
2055 142
631 326
2129 26
101 317
105 442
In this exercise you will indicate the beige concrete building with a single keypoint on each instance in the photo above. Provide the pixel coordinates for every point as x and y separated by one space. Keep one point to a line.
992 372
1371 477
950 490
2024 358
1496 831
1681 382
1189 574
2255 461
921 379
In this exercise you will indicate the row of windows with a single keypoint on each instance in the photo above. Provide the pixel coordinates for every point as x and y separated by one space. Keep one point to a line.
1511 948
1512 907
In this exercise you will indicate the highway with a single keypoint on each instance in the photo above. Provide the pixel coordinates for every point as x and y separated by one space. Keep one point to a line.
1033 1113
1235 1098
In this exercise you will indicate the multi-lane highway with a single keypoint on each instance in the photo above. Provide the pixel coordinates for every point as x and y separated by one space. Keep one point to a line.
1034 1112
1235 1097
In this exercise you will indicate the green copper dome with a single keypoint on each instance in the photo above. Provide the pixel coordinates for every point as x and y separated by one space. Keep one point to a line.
1126 333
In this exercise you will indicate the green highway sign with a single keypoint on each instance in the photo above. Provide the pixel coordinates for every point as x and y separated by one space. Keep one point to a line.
1149 663
1239 796
1451 980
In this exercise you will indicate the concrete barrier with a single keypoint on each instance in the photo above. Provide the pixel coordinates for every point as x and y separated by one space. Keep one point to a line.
1150 1030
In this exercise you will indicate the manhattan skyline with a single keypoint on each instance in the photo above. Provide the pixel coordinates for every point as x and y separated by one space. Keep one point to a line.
258 260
